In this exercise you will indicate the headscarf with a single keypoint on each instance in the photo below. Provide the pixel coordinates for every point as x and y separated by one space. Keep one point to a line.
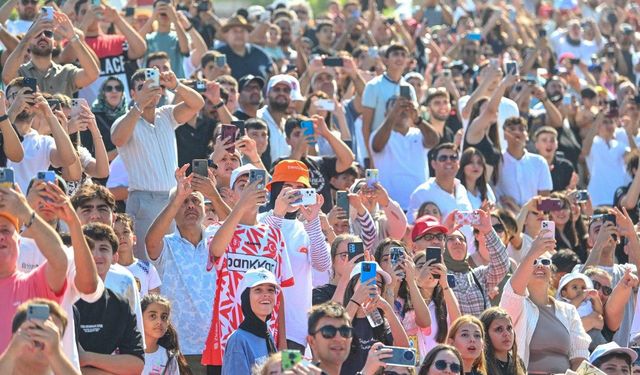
100 104
460 266
253 324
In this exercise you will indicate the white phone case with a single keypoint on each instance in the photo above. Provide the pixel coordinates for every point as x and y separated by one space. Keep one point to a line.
308 197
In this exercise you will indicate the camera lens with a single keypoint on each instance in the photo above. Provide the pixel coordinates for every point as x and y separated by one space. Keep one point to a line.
409 355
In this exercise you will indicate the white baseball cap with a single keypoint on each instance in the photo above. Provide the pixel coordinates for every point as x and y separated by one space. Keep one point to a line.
240 171
611 347
569 277
291 81
255 277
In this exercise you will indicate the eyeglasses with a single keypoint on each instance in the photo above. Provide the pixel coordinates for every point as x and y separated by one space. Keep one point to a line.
329 332
391 372
606 290
342 255
499 228
442 365
27 2
431 237
443 158
542 262
116 88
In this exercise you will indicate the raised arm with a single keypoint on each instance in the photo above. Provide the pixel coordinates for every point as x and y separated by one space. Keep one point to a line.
89 69
489 114
344 155
183 41
63 155
11 143
587 142
122 131
17 57
523 273
137 43
383 134
192 101
617 302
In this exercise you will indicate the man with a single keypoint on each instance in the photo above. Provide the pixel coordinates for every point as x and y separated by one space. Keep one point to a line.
627 196
438 103
42 150
444 190
523 175
326 37
243 57
180 257
561 169
46 281
379 90
281 90
329 336
160 60
250 98
571 41
400 149
174 43
108 326
28 11
117 53
613 359
51 77
257 130
145 137
211 70
230 85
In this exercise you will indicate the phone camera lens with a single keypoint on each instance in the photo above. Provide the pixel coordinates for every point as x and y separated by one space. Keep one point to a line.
409 355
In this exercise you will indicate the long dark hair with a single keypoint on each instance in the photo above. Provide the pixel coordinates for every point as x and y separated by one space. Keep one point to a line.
430 358
437 297
169 340
493 135
403 291
515 365
379 331
466 159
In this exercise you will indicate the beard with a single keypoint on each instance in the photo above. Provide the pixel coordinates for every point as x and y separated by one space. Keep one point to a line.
278 106
436 116
42 52
25 116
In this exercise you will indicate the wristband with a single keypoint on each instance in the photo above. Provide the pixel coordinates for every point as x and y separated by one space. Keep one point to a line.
354 301
135 106
75 38
219 105
189 28
30 222
4 118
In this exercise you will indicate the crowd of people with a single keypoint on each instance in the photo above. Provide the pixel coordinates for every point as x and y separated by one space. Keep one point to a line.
436 187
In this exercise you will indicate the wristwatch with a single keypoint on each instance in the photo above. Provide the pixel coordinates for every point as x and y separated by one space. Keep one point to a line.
219 105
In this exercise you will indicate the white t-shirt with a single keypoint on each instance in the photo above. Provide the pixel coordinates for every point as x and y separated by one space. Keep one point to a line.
377 93
476 202
403 164
145 275
118 176
583 51
37 158
518 255
607 170
121 281
278 147
522 179
29 258
430 191
154 363
506 109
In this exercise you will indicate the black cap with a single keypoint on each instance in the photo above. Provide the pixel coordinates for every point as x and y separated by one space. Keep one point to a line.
588 93
242 82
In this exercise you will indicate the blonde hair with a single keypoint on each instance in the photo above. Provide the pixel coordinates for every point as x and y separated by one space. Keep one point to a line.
480 363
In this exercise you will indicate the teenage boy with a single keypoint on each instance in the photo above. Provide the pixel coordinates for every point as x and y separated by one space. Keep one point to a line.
546 144
329 333
107 325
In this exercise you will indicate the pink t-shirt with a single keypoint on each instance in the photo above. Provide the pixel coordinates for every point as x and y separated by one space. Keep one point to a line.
18 288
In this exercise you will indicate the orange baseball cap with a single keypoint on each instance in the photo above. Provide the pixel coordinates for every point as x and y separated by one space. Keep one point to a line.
11 218
290 171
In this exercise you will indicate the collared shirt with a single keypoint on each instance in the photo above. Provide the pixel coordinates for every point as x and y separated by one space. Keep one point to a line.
191 289
57 79
151 154
523 179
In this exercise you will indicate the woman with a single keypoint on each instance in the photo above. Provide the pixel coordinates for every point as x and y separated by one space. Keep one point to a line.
549 333
529 222
439 297
567 221
467 335
340 270
312 107
501 351
110 104
430 208
363 302
252 343
473 176
442 360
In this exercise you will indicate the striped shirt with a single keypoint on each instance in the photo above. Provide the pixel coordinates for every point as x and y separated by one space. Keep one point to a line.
151 154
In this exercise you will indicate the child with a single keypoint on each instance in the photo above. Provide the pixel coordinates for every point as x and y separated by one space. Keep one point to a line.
577 289
162 354
144 272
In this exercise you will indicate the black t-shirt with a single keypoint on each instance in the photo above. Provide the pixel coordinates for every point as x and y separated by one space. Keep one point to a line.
323 293
617 196
255 61
321 168
108 325
104 126
561 172
241 115
193 142
363 339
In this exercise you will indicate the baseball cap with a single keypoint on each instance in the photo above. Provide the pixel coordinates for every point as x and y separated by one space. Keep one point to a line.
358 270
609 348
255 277
566 55
291 81
240 171
426 224
569 277
11 218
243 81
290 171
417 75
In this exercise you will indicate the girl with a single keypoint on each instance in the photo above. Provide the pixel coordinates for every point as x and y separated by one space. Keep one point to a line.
473 175
467 335
442 360
570 229
162 354
501 351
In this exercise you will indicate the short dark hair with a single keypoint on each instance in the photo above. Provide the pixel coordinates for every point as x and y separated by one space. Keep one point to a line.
228 80
323 23
434 92
125 219
625 357
328 309
208 57
78 4
515 120
631 159
442 146
93 191
293 123
54 310
16 82
139 75
564 260
395 47
255 124
545 130
156 56
101 232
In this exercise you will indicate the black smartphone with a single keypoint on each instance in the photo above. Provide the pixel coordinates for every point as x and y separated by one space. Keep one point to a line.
405 92
203 6
200 167
199 86
342 201
31 83
355 249
511 67
542 32
129 11
451 280
390 21
54 104
613 109
434 253
229 132
239 124
574 61
333 61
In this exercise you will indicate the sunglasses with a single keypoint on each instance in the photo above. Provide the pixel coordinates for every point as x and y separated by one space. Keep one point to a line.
542 262
329 332
606 290
116 88
443 158
27 2
47 34
442 365
431 237
499 228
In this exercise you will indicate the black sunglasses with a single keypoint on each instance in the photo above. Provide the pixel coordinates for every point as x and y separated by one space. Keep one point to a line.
329 332
499 228
47 34
442 365
606 290
116 88
26 2
443 158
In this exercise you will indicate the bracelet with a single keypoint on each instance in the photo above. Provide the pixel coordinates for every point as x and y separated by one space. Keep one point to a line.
135 106
219 105
4 118
32 219
354 301
75 38
189 28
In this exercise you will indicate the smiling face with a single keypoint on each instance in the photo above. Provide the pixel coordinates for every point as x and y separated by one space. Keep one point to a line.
501 335
446 164
103 256
156 321
113 92
440 108
469 341
562 216
333 350
263 300
475 168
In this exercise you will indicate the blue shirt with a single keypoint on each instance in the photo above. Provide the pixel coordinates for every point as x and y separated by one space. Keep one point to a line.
167 42
244 350
255 61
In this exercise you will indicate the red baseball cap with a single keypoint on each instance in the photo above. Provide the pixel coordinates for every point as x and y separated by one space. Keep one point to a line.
426 224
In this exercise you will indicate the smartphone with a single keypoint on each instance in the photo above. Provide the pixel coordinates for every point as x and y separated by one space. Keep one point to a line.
258 175
403 357
342 201
307 197
613 109
47 176
434 253
307 128
36 311
200 167
396 255
220 61
7 179
368 272
550 226
574 61
229 131
446 73
48 13
550 204
467 218
240 125
129 12
451 280
476 37
326 104
373 52
290 358
542 32
606 217
333 61
582 196
405 92
199 86
31 83
76 106
355 249
154 75
54 104
390 21
371 176
511 67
